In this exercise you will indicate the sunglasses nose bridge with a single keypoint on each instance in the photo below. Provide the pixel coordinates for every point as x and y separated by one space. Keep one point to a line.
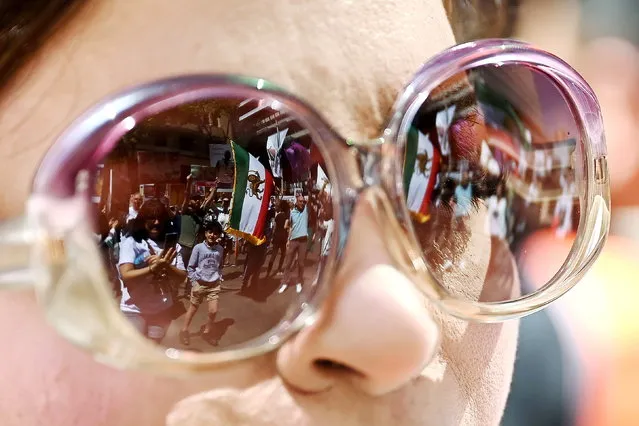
378 170
369 154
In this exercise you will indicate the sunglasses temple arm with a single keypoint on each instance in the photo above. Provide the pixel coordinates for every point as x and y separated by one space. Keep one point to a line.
15 254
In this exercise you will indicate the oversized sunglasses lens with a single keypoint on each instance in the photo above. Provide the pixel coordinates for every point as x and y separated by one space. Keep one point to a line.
493 166
214 220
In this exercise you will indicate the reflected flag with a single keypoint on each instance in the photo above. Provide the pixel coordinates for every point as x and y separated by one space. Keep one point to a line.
251 197
421 167
273 145
443 121
322 182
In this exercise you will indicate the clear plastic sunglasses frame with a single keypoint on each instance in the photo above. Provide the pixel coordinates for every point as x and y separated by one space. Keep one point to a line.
53 250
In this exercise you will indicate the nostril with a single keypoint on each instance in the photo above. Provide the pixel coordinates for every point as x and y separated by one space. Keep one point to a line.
328 365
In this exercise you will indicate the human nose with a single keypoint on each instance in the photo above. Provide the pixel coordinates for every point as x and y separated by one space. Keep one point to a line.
373 330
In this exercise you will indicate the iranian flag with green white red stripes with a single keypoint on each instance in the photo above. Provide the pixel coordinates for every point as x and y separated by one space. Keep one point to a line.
251 196
421 167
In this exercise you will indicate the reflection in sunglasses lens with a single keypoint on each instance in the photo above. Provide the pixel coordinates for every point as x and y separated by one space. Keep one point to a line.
492 165
214 221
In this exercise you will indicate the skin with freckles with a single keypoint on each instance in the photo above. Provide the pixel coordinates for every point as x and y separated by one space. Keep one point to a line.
404 362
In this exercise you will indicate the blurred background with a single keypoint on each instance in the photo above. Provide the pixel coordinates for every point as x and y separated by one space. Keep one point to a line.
578 362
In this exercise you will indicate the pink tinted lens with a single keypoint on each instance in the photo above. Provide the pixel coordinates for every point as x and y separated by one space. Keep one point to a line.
492 165
205 242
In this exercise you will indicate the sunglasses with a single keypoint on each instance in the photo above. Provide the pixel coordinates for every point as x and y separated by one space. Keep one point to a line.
491 145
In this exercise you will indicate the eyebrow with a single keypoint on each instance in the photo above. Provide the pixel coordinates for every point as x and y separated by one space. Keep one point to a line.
456 89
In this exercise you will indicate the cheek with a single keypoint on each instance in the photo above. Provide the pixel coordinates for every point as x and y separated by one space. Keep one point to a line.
46 380
480 359
470 249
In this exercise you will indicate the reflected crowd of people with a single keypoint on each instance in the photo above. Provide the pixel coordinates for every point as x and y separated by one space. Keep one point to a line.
489 162
469 157
166 260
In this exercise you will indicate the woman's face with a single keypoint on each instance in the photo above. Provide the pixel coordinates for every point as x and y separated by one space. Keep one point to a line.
154 228
349 60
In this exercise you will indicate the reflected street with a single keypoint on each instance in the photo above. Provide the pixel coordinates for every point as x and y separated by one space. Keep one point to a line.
235 321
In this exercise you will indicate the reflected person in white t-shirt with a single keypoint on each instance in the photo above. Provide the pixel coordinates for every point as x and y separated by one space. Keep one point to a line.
148 271
497 206
463 197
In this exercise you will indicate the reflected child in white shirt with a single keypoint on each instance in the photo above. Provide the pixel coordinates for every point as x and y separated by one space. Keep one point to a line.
204 272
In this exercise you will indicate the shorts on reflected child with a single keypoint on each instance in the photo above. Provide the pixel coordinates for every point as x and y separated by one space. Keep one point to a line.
204 291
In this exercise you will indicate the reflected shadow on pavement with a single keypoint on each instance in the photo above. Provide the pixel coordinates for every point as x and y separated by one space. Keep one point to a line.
260 290
220 328
233 275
